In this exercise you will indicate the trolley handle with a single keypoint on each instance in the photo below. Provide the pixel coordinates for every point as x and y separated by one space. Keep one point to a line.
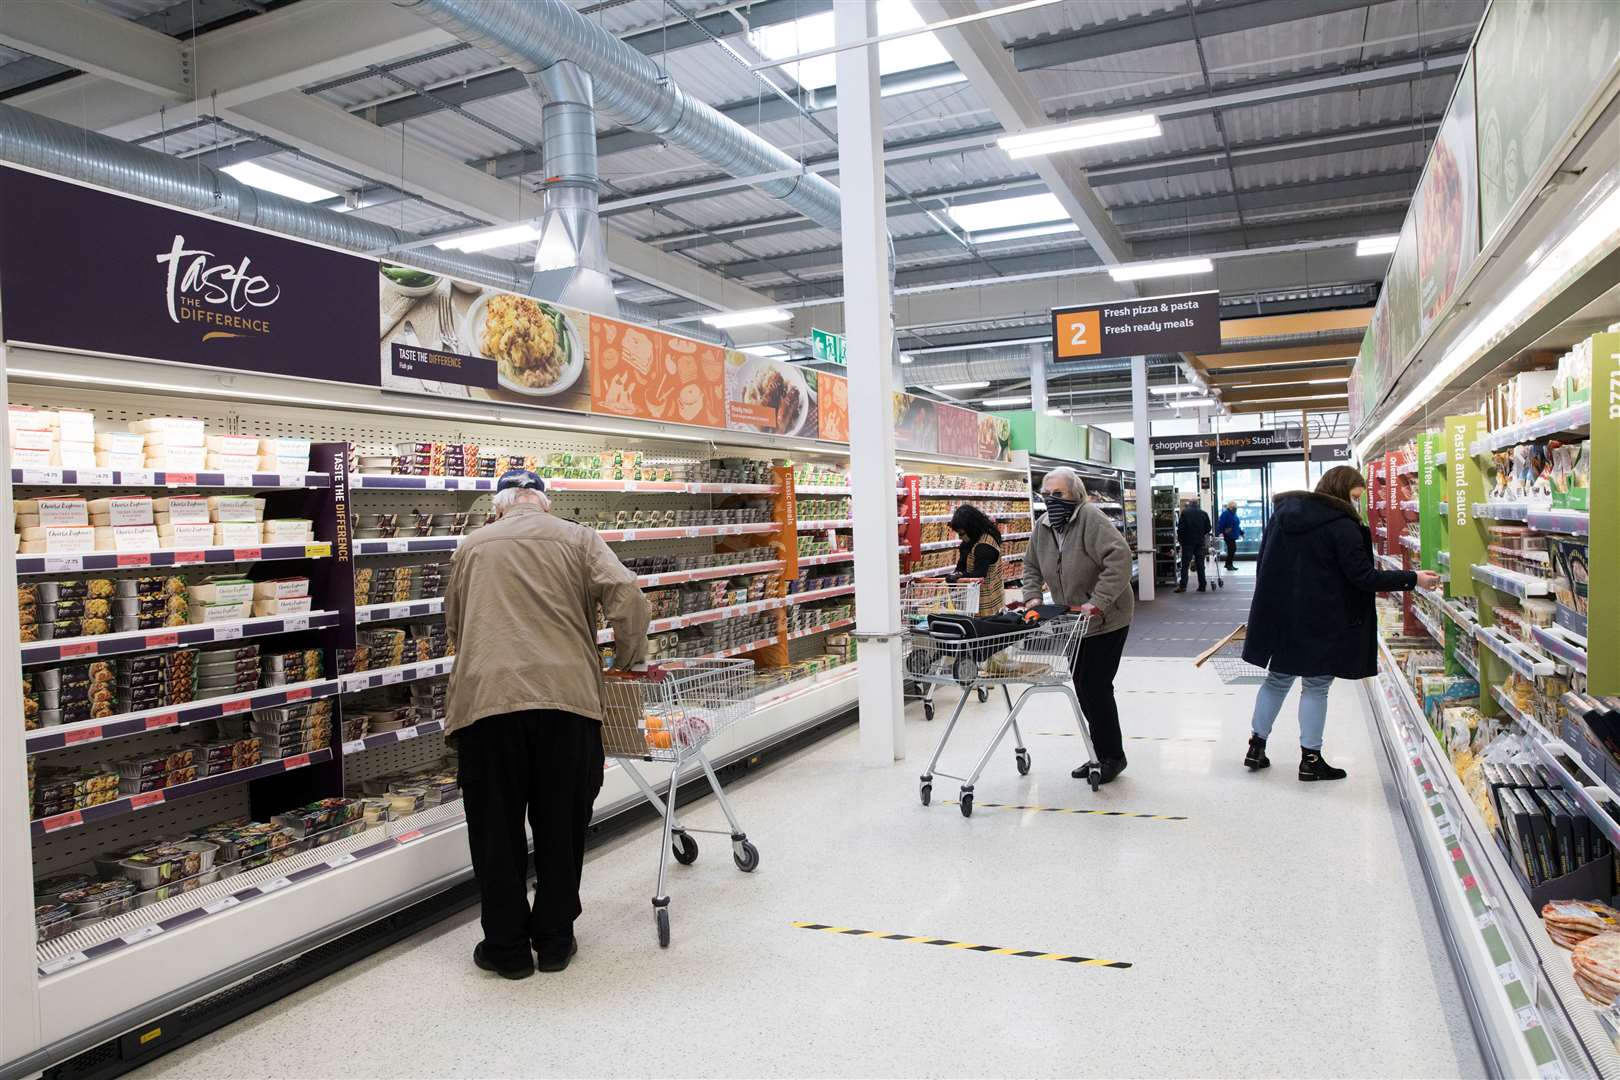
651 673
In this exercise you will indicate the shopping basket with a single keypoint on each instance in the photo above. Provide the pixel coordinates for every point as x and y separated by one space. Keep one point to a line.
1039 656
667 714
934 596
1226 657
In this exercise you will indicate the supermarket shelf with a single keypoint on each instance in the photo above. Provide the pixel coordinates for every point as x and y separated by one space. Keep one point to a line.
1583 789
1468 664
169 716
972 493
1577 522
1106 505
1439 459
754 607
1017 536
1443 559
1562 645
831 523
1524 719
1406 468
824 628
1411 543
1389 562
1574 418
1502 510
1410 506
739 650
824 560
937 571
686 532
557 484
411 609
1518 656
392 676
1428 624
939 545
1487 924
211 556
1017 556
133 641
1520 585
407 545
389 738
708 573
825 489
129 804
138 478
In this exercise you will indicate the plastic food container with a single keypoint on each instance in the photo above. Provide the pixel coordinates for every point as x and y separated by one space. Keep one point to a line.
100 900
52 920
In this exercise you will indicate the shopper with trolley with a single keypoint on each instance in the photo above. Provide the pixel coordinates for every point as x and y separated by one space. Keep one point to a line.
525 711
1230 532
1078 554
979 557
1192 530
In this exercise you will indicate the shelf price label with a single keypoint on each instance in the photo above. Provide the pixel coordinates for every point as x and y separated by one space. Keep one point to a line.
294 623
62 821
162 720
162 641
340 860
145 799
89 734
63 564
238 480
142 934
189 556
396 547
220 905
42 476
406 733
353 746
295 762
434 483
389 678
273 884
180 479
62 963
302 693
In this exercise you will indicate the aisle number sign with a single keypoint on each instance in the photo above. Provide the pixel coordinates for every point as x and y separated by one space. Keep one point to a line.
827 347
1184 322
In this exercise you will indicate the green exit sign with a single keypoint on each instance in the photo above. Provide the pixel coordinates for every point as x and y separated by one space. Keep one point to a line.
827 348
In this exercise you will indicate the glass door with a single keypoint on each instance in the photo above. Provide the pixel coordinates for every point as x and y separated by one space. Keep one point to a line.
1248 487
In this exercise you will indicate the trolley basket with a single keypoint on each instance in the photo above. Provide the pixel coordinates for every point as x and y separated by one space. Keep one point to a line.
1226 657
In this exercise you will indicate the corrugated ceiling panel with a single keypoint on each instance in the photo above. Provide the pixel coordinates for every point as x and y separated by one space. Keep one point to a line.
1060 18
426 73
133 9
1117 81
516 114
1335 166
1428 18
1346 108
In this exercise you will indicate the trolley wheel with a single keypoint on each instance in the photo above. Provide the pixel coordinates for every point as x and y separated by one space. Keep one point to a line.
1022 758
928 711
926 793
746 856
964 669
1095 778
984 694
966 804
684 848
661 917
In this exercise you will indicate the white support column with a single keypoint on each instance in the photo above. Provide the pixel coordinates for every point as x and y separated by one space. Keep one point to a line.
1037 379
19 985
1142 431
868 322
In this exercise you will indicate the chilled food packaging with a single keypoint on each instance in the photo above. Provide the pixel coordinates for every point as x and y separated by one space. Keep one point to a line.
233 445
122 510
223 590
236 508
67 510
236 534
171 430
281 588
181 510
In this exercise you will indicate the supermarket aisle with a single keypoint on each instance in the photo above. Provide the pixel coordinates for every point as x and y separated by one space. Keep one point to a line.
1272 928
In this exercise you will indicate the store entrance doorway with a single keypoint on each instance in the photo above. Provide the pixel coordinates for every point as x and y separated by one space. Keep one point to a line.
1250 488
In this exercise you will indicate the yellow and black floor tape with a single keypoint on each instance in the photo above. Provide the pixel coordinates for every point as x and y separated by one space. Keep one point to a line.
946 943
1066 810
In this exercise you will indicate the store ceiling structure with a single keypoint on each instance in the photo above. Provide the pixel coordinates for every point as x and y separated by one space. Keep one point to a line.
1289 130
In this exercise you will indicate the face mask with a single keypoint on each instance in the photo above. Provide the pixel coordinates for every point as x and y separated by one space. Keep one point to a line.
1058 511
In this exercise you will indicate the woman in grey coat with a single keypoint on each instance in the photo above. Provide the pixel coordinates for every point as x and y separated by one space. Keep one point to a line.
1078 554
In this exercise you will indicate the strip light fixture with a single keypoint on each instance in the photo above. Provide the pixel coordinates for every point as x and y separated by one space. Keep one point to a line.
1179 388
1377 245
1167 268
961 386
725 320
999 401
1065 137
505 236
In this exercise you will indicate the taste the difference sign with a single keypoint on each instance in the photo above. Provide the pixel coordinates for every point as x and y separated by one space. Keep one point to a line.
1184 322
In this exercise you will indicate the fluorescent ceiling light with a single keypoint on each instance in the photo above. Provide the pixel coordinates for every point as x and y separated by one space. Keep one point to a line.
815 32
724 320
1597 230
1043 209
1192 403
1179 388
1063 137
906 358
770 351
961 386
1045 340
504 236
1015 400
255 175
1168 268
1055 412
1049 229
1376 245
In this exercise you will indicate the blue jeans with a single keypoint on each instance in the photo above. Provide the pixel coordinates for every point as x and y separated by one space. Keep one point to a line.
1312 706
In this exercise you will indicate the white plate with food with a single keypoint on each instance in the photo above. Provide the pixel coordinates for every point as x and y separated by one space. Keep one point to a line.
536 347
777 387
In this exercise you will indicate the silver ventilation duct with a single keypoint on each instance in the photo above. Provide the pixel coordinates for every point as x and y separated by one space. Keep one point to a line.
570 260
53 147
534 35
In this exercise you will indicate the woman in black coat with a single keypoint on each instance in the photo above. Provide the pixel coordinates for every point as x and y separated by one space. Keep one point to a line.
1312 616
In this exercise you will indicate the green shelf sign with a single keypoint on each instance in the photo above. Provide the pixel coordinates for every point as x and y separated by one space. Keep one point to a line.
1431 488
1465 486
1603 543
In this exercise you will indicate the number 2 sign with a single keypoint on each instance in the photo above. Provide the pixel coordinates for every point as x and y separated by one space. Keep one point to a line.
1078 334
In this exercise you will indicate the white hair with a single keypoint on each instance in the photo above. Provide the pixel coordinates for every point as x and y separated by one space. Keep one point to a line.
506 499
1071 480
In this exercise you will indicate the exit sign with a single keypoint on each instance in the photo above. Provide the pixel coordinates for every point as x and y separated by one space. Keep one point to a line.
827 348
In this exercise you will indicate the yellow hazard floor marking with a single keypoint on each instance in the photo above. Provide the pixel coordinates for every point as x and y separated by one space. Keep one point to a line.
1136 738
946 943
1064 810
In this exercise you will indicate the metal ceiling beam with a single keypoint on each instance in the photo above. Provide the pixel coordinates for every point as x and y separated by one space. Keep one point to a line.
980 55
1300 373
1338 404
1162 29
680 34
1349 319
1281 393
1398 182
103 44
1292 354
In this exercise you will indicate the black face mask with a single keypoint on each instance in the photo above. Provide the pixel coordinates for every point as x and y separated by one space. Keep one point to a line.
1058 511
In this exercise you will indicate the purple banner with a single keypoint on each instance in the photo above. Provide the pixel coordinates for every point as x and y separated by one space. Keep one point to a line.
415 362
94 272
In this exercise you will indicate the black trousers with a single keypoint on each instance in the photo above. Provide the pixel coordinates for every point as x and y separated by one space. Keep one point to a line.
546 765
1231 552
1094 671
1193 556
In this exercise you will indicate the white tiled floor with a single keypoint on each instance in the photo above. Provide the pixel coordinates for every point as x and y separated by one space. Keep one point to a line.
1282 929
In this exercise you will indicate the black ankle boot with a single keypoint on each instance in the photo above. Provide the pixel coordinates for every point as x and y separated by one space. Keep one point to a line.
1312 767
1256 757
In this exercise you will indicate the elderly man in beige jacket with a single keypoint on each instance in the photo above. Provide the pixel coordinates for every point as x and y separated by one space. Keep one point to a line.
525 712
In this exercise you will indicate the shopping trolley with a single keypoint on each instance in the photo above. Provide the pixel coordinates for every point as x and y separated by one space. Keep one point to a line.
1226 657
1217 560
1039 656
928 596
667 714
